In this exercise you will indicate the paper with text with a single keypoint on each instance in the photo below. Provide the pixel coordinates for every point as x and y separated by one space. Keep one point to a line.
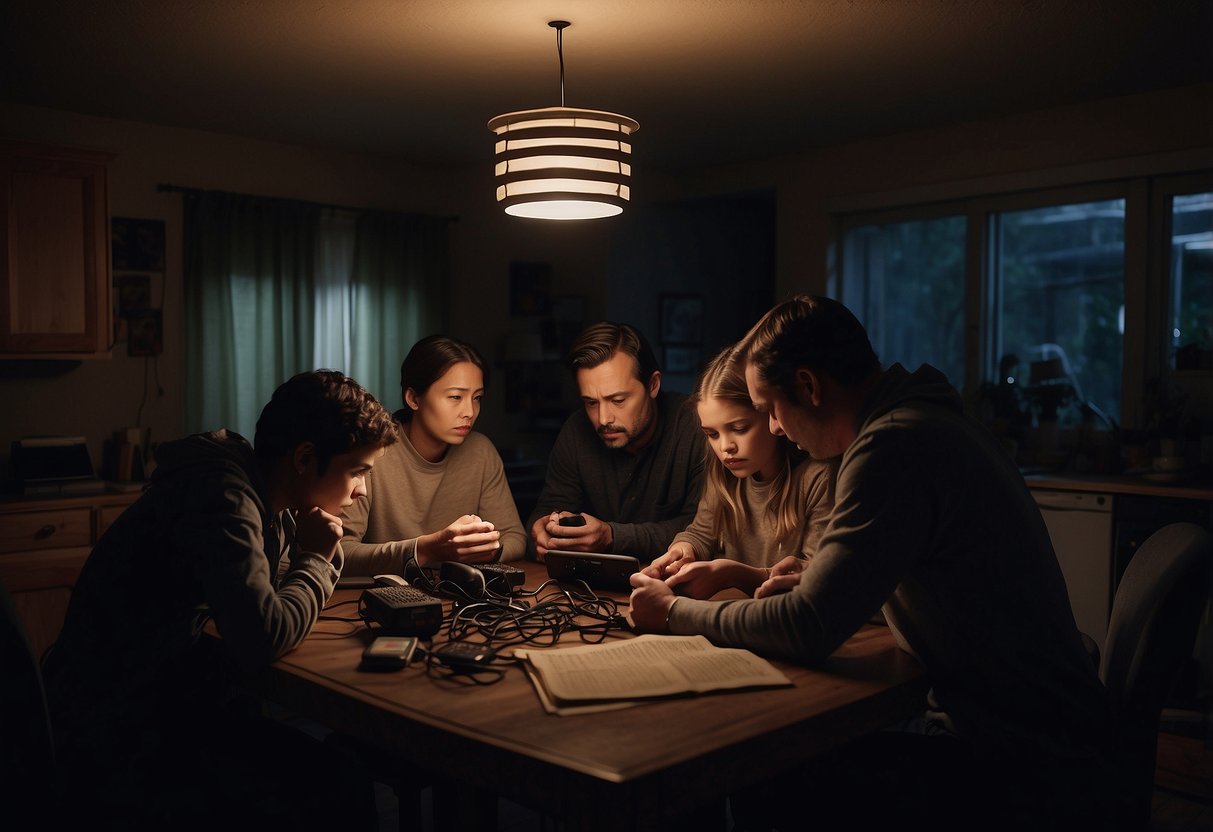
647 666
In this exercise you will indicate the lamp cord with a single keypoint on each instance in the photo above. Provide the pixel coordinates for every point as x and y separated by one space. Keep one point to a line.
559 26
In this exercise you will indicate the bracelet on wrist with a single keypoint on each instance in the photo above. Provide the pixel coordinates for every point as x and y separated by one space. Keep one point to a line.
669 610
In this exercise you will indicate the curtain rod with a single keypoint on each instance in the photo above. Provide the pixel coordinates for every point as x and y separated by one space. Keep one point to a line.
164 187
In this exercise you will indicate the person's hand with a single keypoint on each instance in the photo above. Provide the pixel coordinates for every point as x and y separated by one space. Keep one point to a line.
468 539
594 536
318 531
790 565
708 577
679 555
650 603
784 576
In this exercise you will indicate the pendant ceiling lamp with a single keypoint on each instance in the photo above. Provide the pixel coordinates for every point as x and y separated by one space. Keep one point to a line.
563 163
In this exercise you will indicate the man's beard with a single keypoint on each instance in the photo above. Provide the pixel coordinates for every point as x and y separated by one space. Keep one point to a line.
627 435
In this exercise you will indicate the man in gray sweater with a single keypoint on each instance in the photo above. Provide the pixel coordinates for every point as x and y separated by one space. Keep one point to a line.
631 469
933 524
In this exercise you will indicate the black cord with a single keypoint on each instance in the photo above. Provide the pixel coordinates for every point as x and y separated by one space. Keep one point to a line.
537 617
559 26
358 619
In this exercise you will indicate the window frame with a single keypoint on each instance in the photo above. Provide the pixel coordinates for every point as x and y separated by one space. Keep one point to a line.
1146 266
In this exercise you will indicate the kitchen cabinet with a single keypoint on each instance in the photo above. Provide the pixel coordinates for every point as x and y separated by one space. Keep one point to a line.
55 240
1080 526
43 545
1096 524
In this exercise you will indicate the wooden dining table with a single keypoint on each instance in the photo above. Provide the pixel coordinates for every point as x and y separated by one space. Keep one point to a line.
643 767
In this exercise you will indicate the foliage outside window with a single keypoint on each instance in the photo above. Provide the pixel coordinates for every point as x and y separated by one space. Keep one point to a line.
1191 283
905 282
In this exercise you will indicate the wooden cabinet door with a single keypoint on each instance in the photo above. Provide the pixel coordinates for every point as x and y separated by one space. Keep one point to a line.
55 244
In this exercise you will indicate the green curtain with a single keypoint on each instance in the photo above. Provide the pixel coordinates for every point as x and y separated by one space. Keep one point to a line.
398 295
273 287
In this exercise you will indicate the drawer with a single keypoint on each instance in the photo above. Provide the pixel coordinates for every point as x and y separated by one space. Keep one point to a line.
23 531
106 515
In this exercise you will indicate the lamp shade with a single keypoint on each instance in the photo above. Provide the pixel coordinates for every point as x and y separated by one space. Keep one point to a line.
561 163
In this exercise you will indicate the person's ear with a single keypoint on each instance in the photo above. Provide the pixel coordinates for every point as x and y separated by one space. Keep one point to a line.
654 385
410 399
808 386
303 457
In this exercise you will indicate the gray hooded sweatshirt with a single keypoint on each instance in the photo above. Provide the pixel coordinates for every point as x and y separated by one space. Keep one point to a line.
933 523
201 543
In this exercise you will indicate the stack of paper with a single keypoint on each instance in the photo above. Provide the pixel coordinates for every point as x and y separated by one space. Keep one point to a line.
625 673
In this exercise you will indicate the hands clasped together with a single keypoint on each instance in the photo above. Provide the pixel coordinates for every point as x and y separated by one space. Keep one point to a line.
677 572
468 539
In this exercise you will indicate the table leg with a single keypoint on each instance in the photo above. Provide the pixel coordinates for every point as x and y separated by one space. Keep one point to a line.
459 807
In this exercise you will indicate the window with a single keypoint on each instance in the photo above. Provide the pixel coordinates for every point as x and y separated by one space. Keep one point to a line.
1057 279
905 282
1190 334
1105 290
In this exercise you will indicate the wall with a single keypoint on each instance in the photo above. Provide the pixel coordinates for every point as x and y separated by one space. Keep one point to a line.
1164 132
1131 136
1126 138
94 398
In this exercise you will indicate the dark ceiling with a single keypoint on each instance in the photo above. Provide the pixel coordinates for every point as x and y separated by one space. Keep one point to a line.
710 81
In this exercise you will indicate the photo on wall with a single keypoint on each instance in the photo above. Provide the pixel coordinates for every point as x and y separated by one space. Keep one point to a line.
145 335
132 296
681 319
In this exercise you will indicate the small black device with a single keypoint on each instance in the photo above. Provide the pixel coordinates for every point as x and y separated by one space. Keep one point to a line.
572 520
501 578
461 581
598 570
465 656
388 652
403 610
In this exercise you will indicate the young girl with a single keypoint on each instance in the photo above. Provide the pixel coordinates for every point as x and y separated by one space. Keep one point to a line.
441 493
764 503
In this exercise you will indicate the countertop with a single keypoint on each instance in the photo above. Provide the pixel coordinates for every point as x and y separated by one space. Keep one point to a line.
1197 487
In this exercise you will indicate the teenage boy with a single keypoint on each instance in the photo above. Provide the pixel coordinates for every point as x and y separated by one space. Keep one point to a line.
631 468
148 729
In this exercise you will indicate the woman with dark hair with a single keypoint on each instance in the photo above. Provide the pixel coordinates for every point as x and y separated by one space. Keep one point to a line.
440 493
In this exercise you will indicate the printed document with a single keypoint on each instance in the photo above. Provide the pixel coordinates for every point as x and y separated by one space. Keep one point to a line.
645 667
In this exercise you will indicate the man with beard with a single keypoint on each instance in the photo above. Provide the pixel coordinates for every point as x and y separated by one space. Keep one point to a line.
632 470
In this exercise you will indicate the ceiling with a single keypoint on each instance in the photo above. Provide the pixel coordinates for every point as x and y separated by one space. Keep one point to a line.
710 81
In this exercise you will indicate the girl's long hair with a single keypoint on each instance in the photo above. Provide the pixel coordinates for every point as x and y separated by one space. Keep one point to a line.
723 378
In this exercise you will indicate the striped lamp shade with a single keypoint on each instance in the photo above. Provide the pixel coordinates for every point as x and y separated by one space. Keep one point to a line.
562 163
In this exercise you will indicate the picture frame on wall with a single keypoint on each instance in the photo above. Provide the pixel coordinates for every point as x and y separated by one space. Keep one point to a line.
137 244
145 336
681 360
681 319
132 296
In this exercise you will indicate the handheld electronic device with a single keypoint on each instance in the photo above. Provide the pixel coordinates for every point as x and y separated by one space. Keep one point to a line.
501 578
598 570
466 582
388 652
572 520
465 656
402 610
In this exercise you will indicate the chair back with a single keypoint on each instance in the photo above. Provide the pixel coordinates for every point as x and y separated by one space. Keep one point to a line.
27 756
1151 633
